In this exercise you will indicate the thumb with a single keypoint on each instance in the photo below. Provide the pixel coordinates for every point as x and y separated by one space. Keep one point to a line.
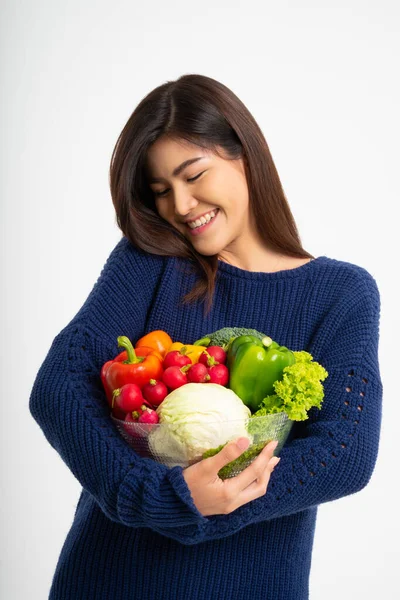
229 452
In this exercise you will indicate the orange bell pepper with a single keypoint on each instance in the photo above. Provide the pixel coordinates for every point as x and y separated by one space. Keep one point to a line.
158 340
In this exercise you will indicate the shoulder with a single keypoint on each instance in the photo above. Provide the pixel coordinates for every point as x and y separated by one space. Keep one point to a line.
346 302
353 282
130 268
123 290
127 255
126 248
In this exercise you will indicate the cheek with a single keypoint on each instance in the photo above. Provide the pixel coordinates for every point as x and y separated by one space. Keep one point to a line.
161 208
166 211
230 188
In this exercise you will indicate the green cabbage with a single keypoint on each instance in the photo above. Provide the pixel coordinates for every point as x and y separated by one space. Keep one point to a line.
197 417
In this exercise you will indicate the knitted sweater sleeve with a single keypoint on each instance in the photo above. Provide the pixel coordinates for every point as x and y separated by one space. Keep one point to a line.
336 449
68 402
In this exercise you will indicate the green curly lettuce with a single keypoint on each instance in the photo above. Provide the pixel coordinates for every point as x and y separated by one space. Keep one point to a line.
299 390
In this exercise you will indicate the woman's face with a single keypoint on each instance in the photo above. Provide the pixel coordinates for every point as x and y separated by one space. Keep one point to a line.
218 187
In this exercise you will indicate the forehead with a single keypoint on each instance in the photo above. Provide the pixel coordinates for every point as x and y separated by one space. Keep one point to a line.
166 154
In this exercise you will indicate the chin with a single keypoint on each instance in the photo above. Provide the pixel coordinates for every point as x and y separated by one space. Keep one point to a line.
206 253
208 250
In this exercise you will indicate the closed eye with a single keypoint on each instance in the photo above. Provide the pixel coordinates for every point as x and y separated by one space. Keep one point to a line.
165 191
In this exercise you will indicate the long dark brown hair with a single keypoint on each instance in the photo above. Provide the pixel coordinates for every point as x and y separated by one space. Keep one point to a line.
205 113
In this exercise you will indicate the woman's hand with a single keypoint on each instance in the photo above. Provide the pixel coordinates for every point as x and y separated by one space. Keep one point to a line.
214 496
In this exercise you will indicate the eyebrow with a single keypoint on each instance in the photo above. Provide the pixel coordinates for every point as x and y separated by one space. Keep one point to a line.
177 170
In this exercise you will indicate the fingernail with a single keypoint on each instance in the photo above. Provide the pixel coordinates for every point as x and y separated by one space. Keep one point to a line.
276 460
242 443
274 444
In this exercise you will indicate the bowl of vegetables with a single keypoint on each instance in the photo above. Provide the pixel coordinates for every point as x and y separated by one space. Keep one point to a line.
199 398
196 421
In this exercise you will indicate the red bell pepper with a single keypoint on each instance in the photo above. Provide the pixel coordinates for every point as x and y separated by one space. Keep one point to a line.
135 369
141 351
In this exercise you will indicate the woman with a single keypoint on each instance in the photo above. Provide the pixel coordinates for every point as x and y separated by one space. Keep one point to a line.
190 150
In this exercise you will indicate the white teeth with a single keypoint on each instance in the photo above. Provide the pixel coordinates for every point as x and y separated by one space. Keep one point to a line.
204 219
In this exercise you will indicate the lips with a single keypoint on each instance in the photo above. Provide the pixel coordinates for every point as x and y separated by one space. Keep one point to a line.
199 217
202 228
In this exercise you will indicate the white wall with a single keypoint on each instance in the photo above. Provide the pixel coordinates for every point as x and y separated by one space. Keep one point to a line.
321 78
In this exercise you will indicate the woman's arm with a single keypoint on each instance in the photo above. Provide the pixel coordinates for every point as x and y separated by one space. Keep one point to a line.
69 404
336 453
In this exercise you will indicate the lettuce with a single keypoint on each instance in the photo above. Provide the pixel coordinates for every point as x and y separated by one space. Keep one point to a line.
298 391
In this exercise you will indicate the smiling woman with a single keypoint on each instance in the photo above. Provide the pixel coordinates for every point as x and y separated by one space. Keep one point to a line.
192 176
191 203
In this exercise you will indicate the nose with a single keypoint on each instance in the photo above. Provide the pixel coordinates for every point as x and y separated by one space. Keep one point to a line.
184 203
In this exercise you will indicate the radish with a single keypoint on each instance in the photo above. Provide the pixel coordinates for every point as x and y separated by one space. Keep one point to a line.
148 416
155 391
128 397
212 356
176 359
217 353
131 418
218 374
175 377
198 373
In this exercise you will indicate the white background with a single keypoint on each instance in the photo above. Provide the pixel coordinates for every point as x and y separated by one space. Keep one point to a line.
321 79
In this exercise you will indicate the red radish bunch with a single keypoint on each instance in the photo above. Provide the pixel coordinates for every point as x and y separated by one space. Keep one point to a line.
132 404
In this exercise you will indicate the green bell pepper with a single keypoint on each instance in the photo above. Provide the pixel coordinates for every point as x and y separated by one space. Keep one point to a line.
254 366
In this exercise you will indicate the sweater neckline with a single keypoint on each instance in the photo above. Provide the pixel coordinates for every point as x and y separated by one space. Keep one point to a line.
306 269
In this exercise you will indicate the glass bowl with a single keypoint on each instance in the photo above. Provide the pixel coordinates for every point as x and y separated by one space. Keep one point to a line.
161 441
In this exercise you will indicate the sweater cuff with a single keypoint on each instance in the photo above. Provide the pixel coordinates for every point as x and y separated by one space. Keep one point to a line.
176 479
157 497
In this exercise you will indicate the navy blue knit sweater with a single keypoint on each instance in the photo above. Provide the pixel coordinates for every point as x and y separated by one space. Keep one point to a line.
136 533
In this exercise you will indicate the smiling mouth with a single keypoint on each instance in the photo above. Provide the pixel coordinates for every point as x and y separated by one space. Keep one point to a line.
189 223
198 231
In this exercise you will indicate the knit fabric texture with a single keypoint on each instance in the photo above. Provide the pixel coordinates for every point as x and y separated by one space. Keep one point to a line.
136 532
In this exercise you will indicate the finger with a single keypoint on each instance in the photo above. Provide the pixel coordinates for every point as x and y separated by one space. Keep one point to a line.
228 453
263 479
258 487
256 469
